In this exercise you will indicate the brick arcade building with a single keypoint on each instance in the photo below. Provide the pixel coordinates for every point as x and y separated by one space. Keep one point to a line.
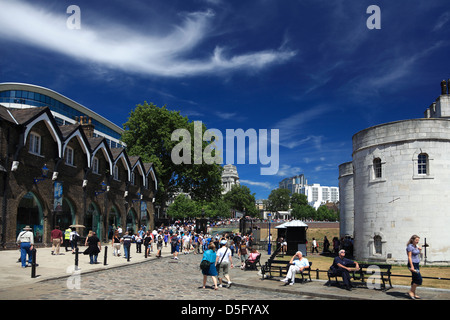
53 174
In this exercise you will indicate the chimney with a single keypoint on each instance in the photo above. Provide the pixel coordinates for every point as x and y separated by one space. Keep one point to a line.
444 87
87 126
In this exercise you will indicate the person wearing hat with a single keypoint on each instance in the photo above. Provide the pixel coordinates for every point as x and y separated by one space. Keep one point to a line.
224 262
25 240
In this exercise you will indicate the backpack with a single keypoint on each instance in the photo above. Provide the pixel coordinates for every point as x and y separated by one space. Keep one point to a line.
160 239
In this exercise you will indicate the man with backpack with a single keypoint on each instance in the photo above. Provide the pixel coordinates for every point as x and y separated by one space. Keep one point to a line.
159 244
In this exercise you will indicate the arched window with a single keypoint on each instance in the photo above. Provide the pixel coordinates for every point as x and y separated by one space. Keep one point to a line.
377 168
377 244
422 164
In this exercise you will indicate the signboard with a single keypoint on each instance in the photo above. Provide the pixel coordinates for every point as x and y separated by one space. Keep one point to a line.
57 196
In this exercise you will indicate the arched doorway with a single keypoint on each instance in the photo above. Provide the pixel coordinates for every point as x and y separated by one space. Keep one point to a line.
131 221
113 221
30 213
92 220
64 216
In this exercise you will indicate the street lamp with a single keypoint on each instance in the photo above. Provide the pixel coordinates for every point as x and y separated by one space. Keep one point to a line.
103 189
44 174
269 246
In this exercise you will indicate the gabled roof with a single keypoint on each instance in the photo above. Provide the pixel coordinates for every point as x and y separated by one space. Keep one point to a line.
68 129
5 114
293 223
23 116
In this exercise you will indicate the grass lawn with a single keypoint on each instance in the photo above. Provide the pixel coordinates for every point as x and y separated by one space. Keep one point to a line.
324 262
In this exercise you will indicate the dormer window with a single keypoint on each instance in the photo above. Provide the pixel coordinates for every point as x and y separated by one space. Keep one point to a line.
95 165
35 143
116 172
133 178
69 156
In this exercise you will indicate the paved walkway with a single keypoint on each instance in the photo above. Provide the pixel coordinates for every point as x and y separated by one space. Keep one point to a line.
60 267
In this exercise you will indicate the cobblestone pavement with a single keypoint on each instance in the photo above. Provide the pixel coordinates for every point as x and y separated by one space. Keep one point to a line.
162 279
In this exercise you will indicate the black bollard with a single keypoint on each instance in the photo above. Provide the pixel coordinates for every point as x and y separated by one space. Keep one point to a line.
106 251
33 263
76 259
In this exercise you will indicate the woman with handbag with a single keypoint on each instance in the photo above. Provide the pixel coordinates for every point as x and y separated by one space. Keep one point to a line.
413 252
210 256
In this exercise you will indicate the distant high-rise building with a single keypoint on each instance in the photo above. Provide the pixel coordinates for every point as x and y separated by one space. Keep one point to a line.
230 177
294 184
315 193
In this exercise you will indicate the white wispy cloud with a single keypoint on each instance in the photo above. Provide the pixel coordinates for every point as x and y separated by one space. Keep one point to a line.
118 47
287 170
442 21
292 132
266 185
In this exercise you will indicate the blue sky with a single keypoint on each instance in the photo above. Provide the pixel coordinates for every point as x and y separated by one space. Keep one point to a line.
309 68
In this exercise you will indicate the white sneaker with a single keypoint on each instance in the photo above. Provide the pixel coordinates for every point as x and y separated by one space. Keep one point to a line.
284 280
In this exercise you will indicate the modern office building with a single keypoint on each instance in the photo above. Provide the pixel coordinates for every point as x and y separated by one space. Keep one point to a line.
293 184
318 195
64 110
315 193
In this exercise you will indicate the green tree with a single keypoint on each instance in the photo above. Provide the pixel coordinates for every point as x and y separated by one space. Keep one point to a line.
148 134
240 198
298 199
183 207
278 200
325 214
303 212
217 209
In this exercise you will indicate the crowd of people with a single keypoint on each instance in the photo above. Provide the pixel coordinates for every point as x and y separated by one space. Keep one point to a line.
218 250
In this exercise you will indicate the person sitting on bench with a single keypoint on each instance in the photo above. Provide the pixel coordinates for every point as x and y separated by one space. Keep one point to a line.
341 267
297 265
253 255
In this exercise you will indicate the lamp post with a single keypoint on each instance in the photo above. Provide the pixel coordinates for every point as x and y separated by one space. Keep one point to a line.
44 174
103 188
269 245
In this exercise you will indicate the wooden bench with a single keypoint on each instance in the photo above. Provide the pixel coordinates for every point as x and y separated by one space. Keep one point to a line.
376 272
253 265
366 271
281 268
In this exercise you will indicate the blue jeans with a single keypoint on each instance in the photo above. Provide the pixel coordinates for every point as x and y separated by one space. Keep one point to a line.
126 249
93 258
24 250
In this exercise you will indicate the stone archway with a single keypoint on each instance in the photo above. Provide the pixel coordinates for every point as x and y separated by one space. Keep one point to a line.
30 213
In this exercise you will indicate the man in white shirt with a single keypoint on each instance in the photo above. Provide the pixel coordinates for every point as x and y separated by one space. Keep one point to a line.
25 240
186 243
298 264
223 258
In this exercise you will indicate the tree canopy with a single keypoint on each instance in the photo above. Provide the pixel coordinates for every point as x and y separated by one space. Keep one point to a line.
241 199
148 134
